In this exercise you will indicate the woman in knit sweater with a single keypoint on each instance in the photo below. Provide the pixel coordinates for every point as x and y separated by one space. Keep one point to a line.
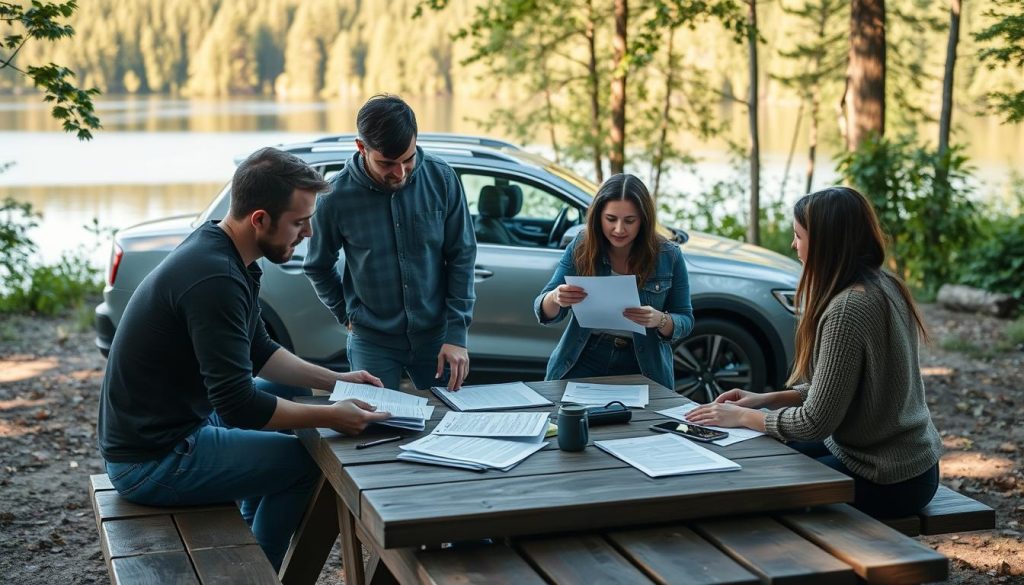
857 399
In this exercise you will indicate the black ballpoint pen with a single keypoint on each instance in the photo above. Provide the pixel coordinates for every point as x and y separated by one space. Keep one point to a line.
378 442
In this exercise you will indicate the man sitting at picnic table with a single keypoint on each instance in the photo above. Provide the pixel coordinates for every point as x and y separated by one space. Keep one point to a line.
182 420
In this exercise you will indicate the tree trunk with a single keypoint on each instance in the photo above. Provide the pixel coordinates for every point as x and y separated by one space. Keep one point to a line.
666 112
945 118
866 74
812 138
754 212
595 97
617 155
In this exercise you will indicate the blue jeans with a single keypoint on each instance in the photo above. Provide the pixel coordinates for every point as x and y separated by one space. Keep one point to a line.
605 355
269 472
388 364
892 500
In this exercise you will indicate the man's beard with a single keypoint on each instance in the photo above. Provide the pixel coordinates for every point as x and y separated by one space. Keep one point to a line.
277 253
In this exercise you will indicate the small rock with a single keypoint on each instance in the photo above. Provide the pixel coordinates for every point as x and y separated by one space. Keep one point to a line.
1007 447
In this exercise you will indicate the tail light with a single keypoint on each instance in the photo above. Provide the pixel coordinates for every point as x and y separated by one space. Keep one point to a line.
116 253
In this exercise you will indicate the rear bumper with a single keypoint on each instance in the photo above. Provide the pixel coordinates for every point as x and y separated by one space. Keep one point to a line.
104 329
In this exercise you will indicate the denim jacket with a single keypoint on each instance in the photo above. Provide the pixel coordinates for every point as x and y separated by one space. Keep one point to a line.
666 289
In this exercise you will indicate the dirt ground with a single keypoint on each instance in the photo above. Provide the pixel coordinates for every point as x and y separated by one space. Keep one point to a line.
50 378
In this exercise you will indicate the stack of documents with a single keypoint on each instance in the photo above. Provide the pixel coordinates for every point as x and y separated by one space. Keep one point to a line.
735 435
480 441
601 394
491 397
407 411
666 454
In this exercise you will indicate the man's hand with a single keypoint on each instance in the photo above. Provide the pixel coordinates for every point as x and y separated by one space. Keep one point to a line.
646 316
567 295
361 377
457 359
351 416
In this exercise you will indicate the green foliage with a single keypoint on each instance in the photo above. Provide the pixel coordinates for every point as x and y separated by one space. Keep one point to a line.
40 21
1009 54
995 260
1014 333
930 220
30 286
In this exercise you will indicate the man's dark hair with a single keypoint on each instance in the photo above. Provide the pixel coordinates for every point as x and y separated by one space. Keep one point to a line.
266 180
386 124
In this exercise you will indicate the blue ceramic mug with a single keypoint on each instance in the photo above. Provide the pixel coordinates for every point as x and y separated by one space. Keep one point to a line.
573 427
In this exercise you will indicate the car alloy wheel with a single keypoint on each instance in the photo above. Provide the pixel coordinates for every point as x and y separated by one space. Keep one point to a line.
717 356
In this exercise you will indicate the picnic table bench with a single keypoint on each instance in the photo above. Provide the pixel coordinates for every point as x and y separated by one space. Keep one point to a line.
183 545
588 517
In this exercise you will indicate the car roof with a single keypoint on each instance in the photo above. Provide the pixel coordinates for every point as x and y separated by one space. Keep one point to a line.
444 144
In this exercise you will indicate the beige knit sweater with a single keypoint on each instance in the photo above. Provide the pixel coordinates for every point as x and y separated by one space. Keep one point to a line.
866 396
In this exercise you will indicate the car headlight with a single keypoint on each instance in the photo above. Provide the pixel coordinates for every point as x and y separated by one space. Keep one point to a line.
787 297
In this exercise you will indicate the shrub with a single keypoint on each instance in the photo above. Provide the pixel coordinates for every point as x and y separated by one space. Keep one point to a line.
28 285
927 216
996 257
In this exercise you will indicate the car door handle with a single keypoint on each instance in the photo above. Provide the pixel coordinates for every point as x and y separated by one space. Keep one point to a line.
481 274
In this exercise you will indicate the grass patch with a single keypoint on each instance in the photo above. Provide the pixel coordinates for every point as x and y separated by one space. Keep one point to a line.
1014 333
959 344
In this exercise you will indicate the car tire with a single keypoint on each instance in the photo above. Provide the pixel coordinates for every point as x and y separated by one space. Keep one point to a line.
717 356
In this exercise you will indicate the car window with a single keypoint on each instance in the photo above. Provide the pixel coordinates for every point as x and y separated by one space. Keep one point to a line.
511 211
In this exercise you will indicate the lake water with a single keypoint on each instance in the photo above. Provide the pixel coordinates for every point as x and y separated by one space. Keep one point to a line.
158 156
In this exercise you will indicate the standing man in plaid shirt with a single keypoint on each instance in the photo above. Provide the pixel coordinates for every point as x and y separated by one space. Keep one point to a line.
406 291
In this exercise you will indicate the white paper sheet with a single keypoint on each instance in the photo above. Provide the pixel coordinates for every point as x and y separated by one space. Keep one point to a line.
735 435
607 297
666 454
524 426
632 395
491 397
407 411
490 453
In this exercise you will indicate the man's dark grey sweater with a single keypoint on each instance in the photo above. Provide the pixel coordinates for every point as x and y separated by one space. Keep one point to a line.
188 343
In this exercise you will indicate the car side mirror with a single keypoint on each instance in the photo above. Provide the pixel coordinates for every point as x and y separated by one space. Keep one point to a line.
570 235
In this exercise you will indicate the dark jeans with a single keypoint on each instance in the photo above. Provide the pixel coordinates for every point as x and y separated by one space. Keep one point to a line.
605 355
892 500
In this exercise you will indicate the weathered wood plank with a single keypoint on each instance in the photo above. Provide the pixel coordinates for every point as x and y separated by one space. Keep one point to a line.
586 559
133 536
99 482
234 564
950 511
487 564
110 506
213 528
410 515
351 549
877 553
775 553
167 568
908 525
677 555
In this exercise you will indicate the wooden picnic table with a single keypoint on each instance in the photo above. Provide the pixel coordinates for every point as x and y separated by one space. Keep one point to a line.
393 507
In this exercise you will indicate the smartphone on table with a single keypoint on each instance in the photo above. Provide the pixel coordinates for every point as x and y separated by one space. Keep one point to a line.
690 431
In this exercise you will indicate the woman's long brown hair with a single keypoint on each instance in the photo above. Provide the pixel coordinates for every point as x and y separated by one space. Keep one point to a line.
643 253
845 247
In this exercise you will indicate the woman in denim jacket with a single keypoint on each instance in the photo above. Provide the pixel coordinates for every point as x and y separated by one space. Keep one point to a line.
620 238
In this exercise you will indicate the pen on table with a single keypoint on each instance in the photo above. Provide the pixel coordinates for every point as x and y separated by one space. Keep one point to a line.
378 442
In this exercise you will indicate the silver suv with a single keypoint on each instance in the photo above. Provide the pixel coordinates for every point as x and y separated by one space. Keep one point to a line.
526 210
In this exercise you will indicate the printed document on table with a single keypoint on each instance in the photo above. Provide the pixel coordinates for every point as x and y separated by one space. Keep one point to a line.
735 435
633 396
607 297
665 454
489 453
491 397
522 426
